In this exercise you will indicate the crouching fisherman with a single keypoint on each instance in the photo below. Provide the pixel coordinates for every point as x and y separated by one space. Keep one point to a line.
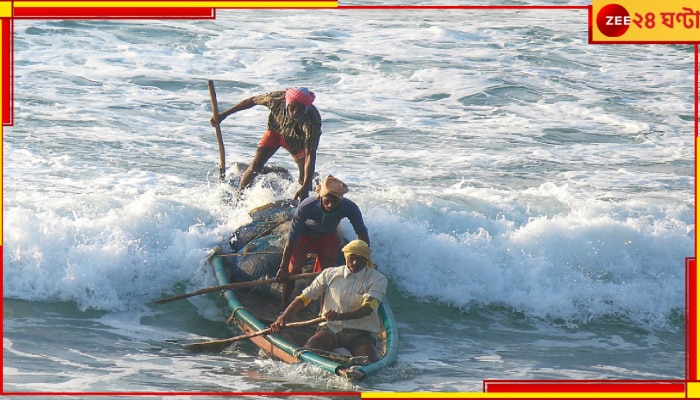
351 295
314 228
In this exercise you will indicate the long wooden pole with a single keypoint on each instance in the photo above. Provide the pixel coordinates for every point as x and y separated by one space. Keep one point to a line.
236 285
217 344
217 127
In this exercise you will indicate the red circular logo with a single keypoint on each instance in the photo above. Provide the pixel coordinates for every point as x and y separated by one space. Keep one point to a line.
613 20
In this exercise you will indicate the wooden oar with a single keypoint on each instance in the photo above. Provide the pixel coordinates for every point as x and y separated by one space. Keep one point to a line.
216 345
249 254
236 285
217 127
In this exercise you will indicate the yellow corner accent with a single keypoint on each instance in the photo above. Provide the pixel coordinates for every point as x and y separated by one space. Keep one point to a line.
5 9
693 389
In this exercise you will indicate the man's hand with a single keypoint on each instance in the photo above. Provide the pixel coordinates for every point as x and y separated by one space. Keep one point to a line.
278 325
301 194
215 121
332 315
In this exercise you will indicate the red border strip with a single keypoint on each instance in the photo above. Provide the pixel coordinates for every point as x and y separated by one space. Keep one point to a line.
356 395
697 115
114 13
583 387
8 75
438 7
691 329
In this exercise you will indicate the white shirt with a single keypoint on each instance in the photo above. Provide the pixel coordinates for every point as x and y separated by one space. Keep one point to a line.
345 291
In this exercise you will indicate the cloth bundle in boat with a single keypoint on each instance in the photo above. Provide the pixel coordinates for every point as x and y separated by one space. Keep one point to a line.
259 244
280 210
248 232
265 219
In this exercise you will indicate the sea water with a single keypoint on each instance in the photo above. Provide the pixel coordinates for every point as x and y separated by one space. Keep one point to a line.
529 195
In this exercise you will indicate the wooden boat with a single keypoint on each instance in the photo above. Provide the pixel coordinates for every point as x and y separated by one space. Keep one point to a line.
256 253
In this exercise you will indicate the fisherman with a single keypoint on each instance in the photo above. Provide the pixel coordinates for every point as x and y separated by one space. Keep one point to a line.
314 227
351 295
293 123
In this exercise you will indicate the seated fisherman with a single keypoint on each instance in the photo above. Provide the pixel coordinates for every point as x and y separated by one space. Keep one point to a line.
351 295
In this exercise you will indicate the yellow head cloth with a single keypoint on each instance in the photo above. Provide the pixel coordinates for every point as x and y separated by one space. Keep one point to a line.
360 248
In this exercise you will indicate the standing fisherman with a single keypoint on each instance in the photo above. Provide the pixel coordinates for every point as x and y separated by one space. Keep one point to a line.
293 123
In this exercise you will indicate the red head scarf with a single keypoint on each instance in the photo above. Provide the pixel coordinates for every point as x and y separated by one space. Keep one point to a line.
299 95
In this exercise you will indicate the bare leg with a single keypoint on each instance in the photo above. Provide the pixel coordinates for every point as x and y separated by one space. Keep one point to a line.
320 340
262 155
368 350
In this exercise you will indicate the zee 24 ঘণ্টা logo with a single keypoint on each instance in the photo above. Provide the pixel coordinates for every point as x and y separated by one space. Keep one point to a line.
613 20
668 21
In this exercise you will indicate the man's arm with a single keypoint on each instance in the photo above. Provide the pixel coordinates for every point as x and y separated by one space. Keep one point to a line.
306 178
357 222
293 308
364 237
243 105
283 272
359 312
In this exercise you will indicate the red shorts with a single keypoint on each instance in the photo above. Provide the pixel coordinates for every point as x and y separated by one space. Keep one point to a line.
274 139
326 248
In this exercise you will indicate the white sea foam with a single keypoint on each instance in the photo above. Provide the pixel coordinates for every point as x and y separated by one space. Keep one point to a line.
496 162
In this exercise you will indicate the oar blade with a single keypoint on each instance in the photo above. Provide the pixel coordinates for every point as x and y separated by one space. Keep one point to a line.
208 347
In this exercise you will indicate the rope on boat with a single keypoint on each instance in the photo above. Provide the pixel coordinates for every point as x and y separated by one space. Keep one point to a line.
221 303
230 319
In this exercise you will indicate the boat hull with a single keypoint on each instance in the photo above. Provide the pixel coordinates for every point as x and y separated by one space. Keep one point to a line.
254 310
